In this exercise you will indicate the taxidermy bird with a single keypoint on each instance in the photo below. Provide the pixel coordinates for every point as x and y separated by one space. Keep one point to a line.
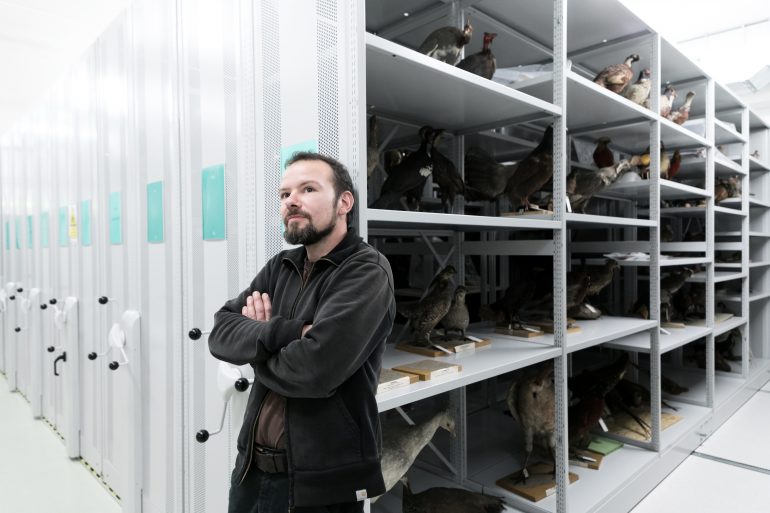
725 343
531 401
506 309
401 443
448 500
599 278
603 156
532 173
482 63
584 184
665 162
666 101
409 175
445 174
617 76
457 318
674 164
721 191
372 147
392 158
587 401
577 288
425 314
444 44
639 91
683 114
666 233
485 179
669 286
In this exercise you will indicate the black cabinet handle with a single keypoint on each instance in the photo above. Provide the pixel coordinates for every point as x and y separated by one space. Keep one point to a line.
62 357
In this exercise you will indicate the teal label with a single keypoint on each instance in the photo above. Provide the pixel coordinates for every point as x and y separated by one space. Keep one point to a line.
155 212
116 218
30 223
213 202
44 230
64 238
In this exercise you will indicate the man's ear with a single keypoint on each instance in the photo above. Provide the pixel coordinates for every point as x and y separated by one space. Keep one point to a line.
345 203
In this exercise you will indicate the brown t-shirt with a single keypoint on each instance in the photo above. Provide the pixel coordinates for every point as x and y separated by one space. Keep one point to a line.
270 423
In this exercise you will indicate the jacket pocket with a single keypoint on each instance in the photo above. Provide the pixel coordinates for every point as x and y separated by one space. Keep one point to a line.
323 434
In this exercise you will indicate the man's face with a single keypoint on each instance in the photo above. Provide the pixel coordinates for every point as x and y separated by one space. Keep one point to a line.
308 202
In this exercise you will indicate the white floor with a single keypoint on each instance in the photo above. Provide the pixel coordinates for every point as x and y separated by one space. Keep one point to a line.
35 474
729 472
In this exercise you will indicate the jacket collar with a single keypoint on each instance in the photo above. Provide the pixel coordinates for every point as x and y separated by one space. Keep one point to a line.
336 256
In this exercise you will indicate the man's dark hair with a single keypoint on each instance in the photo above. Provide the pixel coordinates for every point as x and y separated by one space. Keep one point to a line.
340 176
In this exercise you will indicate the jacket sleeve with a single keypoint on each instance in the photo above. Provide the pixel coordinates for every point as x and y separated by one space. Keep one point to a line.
354 317
239 340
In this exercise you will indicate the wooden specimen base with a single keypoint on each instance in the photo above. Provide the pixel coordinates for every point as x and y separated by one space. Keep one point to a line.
547 325
623 425
540 483
453 346
528 213
517 332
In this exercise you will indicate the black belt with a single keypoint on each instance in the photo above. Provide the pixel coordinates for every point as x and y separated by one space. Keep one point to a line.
269 460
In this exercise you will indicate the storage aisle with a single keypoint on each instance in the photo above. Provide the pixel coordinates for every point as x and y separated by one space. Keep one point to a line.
729 472
35 474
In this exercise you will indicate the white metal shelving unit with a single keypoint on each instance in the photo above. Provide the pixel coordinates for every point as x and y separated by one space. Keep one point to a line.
407 90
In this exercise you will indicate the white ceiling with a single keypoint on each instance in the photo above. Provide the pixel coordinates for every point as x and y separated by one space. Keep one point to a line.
39 40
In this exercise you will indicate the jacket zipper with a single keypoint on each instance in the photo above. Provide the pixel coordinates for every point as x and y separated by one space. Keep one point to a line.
256 418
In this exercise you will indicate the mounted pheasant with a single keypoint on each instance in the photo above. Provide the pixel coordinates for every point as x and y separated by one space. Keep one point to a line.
617 76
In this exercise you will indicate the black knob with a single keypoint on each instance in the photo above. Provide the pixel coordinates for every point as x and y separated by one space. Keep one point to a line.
241 384
52 300
17 329
92 356
11 297
202 435
43 306
20 289
195 334
51 349
103 300
114 365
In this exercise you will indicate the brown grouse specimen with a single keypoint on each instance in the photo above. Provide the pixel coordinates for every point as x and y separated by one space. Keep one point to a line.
425 314
583 184
485 179
445 174
532 173
445 43
457 318
531 401
617 76
408 176
448 500
482 63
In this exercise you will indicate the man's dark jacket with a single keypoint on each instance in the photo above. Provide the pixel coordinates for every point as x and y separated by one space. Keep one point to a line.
329 376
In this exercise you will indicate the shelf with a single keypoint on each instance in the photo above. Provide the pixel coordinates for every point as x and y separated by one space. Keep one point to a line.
736 233
736 202
719 276
640 190
756 166
399 219
725 134
726 167
754 265
728 265
693 417
729 324
456 99
755 203
505 354
729 211
606 329
640 342
692 378
496 448
588 219
683 212
664 262
736 298
759 235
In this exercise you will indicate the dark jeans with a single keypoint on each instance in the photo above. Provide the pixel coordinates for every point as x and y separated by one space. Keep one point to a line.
269 493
